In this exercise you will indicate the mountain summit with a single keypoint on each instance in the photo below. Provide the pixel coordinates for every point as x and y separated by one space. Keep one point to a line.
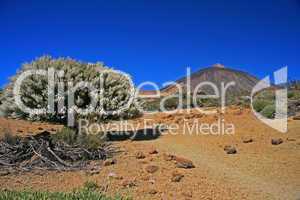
218 74
218 65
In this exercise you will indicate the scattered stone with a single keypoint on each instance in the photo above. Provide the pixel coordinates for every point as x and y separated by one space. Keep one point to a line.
176 176
151 159
128 183
291 139
296 117
276 141
151 168
168 157
4 173
20 131
184 163
153 151
230 149
152 191
40 128
140 155
109 162
53 129
247 140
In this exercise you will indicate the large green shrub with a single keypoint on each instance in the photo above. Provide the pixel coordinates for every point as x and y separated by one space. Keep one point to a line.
114 88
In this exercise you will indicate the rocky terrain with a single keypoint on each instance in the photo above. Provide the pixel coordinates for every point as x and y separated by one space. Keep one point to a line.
255 162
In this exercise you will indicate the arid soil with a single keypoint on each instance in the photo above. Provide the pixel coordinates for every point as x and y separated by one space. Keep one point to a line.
259 170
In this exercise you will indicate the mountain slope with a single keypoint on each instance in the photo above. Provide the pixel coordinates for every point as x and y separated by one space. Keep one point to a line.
218 74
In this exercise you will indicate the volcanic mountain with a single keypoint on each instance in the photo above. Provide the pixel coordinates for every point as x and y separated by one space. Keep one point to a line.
217 74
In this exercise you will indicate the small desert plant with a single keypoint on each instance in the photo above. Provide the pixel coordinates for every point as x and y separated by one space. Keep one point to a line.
172 103
294 94
90 185
291 94
91 141
260 104
266 94
151 105
71 137
210 102
269 111
67 135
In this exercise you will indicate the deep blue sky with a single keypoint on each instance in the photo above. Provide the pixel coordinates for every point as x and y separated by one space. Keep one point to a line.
154 40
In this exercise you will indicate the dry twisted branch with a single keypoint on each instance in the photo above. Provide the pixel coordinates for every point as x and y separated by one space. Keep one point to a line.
40 152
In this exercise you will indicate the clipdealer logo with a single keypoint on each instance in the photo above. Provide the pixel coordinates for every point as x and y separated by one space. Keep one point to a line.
279 123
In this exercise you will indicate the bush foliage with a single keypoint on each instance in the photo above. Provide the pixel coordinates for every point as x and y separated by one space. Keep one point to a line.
269 111
260 104
115 90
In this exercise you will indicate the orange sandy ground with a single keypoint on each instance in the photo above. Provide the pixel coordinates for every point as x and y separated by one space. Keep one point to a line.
258 171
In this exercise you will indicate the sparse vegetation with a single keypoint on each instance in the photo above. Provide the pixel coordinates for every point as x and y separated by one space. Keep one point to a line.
71 137
151 105
67 135
91 141
294 94
260 104
269 111
172 103
291 94
89 191
264 101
